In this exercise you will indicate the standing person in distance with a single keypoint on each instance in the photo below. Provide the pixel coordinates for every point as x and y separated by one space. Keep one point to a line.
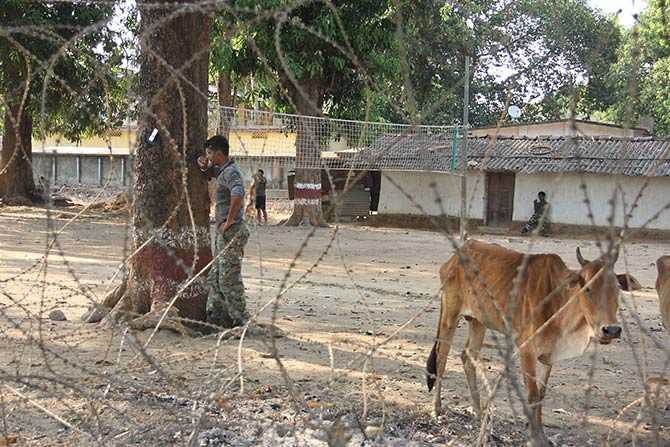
259 187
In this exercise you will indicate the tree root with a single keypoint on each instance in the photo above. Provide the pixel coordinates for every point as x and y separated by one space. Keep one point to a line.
304 216
254 329
172 321
96 312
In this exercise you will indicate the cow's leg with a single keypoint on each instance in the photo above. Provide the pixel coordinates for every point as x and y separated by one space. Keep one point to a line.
529 370
543 386
448 322
469 357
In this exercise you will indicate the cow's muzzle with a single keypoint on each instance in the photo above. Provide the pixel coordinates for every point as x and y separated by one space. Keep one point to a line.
609 333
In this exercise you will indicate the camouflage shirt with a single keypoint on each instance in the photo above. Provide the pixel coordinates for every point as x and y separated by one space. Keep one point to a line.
228 184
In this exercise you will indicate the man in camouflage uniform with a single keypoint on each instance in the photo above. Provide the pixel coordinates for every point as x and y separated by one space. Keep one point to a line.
226 302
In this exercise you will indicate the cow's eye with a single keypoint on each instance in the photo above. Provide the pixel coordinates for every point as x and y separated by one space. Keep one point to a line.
587 289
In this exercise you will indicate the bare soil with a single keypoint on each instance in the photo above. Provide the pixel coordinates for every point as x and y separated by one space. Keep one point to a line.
107 391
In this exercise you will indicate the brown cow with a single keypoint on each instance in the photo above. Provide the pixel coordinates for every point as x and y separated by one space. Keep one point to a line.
663 289
481 291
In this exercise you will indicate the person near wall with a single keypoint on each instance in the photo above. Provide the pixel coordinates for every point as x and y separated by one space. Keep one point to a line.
540 215
226 300
259 191
249 210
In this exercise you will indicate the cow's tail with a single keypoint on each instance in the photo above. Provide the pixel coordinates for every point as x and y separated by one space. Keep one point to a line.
446 272
431 368
431 363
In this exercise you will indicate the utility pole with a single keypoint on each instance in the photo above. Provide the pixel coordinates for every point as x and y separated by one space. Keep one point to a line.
464 150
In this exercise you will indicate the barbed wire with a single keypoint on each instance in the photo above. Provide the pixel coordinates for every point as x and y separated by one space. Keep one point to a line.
110 383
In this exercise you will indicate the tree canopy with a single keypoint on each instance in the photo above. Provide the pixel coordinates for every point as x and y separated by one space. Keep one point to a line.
640 78
404 60
70 57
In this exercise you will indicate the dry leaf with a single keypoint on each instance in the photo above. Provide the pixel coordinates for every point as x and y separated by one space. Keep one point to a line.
8 440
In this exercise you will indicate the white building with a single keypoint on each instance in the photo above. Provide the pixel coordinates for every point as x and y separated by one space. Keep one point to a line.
587 180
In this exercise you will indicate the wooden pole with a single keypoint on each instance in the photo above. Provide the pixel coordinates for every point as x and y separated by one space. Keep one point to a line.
464 150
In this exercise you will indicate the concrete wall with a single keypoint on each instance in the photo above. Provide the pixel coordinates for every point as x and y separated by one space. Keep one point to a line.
65 170
121 141
243 142
567 198
417 185
262 143
563 191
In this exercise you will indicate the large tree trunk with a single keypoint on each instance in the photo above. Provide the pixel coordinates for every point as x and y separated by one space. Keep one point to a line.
171 204
307 201
16 175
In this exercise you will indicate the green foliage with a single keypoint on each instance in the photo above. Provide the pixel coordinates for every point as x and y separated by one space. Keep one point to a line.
313 50
231 54
656 96
72 60
404 60
641 76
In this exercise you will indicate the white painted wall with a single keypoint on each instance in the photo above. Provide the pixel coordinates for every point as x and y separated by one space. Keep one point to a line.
417 186
567 198
563 191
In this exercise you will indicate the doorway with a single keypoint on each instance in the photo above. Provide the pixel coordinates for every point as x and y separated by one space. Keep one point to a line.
499 198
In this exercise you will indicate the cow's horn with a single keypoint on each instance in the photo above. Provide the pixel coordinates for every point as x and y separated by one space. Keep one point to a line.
580 258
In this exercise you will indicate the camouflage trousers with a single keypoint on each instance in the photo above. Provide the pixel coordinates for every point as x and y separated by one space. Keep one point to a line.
226 302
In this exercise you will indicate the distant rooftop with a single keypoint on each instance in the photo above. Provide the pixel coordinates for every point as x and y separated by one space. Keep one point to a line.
561 128
597 155
562 121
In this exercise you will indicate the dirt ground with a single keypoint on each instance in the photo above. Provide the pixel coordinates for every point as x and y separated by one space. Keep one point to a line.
71 383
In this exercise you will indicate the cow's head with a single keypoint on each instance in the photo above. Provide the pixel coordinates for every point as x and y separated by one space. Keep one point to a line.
599 300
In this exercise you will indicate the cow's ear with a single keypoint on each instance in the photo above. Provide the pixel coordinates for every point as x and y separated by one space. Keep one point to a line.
627 282
575 280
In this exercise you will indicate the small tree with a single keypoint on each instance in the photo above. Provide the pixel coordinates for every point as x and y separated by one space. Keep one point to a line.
315 53
16 175
641 76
